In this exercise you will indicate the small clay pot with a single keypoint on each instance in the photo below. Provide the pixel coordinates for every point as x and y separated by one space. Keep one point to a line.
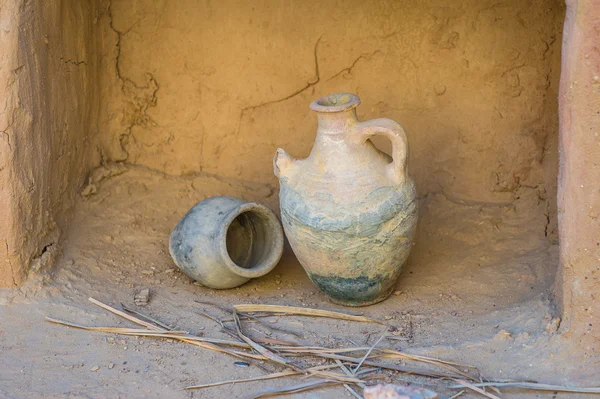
222 242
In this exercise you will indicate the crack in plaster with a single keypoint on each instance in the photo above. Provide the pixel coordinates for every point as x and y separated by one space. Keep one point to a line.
12 270
364 56
544 197
117 44
73 62
4 133
141 107
297 92
120 35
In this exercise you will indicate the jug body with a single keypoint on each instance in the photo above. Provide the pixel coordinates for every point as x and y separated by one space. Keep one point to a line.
348 210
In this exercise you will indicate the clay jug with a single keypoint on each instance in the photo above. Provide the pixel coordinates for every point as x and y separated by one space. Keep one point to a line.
348 210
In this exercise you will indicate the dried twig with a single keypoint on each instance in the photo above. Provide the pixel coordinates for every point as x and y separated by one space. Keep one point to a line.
118 330
156 329
348 387
192 338
391 354
476 389
335 376
302 387
125 315
385 352
352 391
347 371
396 367
286 373
533 386
261 349
368 353
158 323
274 341
457 395
206 345
303 312
271 327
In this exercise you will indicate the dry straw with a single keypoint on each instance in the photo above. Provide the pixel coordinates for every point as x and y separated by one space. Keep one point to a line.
281 353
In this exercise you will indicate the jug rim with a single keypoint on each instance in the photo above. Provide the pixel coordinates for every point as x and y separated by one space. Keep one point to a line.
336 102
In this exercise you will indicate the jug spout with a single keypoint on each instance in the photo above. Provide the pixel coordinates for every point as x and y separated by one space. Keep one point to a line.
282 163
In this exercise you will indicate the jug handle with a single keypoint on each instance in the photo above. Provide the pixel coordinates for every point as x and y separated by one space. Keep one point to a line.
393 131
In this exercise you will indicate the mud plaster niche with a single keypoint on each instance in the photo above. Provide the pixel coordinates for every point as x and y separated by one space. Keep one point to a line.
191 88
204 87
49 114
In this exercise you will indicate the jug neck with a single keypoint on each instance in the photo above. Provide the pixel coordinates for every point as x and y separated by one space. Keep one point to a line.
335 112
334 123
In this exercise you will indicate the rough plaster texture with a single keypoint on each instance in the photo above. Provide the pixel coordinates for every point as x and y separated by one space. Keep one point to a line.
48 112
218 86
182 88
579 199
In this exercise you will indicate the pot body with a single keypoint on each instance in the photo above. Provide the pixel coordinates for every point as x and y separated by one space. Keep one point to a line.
222 242
348 210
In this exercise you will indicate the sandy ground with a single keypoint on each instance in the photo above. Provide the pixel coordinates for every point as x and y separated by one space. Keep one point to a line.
476 290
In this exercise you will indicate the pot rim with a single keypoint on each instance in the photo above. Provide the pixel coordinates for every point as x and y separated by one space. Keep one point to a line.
337 102
274 246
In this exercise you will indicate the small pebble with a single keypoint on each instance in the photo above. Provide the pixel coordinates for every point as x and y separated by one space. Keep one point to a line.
95 368
502 335
142 297
398 293
111 366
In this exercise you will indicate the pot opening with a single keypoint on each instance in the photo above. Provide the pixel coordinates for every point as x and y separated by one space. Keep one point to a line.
250 240
335 103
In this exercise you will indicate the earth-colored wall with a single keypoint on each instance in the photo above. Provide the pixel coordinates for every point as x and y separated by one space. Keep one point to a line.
579 182
187 86
216 87
48 114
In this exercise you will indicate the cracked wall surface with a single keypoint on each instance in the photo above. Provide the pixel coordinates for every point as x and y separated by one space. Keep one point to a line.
216 87
48 116
185 87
